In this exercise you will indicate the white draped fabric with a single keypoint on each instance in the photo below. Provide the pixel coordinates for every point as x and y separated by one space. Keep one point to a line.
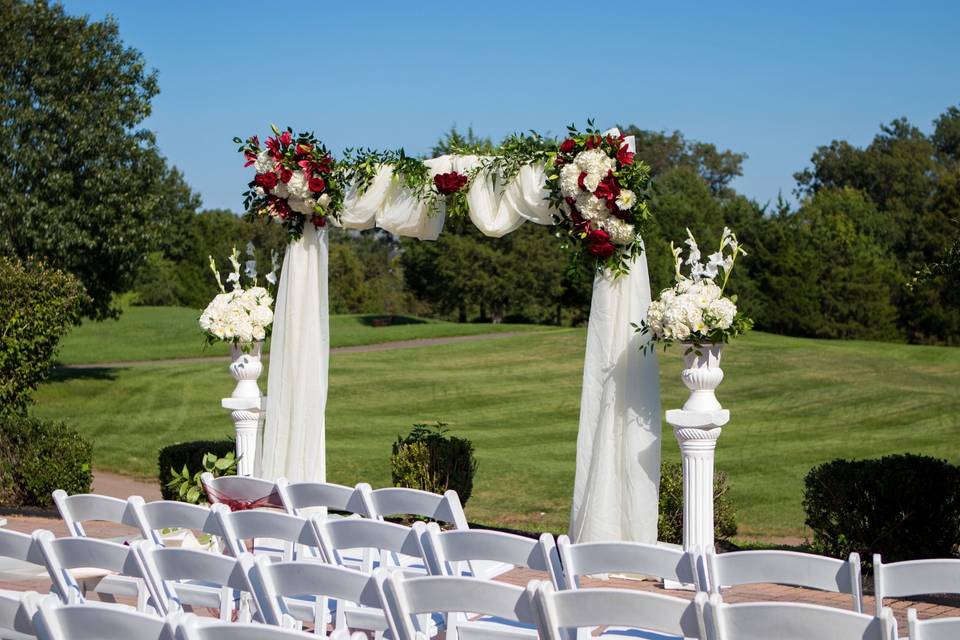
618 448
293 442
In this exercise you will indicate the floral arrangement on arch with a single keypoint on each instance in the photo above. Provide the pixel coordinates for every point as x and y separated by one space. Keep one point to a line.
600 189
695 311
295 180
241 315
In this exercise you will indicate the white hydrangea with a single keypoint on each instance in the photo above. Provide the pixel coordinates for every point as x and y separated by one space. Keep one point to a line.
300 205
591 207
620 232
690 310
569 178
238 315
298 186
264 162
595 162
720 313
280 190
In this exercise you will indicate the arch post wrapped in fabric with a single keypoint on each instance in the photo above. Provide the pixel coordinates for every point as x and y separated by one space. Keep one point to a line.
618 447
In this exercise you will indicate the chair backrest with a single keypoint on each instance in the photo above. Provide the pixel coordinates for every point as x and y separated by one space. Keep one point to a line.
92 621
194 628
590 558
403 598
360 533
17 611
914 578
304 495
784 567
84 507
20 546
163 567
444 551
60 555
561 613
152 517
262 523
274 582
391 501
935 629
241 492
793 621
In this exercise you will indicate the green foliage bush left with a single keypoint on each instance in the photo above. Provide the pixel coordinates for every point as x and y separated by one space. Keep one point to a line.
38 457
430 460
37 307
189 455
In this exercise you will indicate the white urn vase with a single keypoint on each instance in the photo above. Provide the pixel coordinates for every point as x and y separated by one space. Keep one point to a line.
245 367
702 375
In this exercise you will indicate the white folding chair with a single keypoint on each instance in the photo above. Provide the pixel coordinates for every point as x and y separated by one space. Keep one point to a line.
241 492
303 591
91 621
16 614
783 567
194 628
567 614
506 610
21 548
793 621
282 535
935 629
153 517
84 507
395 544
183 578
454 553
601 558
395 501
914 578
79 565
312 495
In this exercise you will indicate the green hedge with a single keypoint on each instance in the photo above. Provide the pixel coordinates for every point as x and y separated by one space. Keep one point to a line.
190 454
903 507
38 457
37 307
430 460
670 522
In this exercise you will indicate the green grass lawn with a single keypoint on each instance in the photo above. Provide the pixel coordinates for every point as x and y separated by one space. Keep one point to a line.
154 333
794 403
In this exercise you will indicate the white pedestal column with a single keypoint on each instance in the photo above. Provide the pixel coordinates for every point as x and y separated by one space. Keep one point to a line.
697 426
246 405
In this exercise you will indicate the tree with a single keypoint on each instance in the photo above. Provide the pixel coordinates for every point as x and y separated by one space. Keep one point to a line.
83 184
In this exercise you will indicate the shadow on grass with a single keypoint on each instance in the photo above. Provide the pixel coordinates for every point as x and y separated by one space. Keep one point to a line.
385 321
64 374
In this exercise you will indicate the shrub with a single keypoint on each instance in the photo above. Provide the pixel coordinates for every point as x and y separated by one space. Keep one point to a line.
188 486
901 506
37 307
38 457
189 455
670 521
430 460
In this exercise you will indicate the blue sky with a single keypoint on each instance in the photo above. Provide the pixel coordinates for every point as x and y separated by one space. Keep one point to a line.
770 79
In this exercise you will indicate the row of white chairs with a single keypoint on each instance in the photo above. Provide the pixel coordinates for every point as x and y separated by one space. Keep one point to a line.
540 609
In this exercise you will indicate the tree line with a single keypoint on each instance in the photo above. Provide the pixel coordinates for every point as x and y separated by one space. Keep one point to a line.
869 250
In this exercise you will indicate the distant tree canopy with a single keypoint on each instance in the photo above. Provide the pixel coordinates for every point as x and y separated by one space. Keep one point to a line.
84 187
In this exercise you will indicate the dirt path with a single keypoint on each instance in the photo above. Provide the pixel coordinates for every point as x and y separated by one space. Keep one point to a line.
360 348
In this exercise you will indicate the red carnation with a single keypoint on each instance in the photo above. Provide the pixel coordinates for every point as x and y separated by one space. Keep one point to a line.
567 145
319 221
608 189
316 184
624 155
448 183
286 138
285 175
266 180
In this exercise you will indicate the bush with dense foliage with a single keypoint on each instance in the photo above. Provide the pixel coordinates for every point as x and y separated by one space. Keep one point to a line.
670 522
187 484
189 455
430 460
37 307
900 506
37 457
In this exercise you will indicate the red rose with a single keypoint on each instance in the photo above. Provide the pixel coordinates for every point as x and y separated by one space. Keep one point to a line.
559 162
592 142
603 250
448 183
286 138
608 189
598 236
319 221
285 175
567 145
624 155
266 180
316 184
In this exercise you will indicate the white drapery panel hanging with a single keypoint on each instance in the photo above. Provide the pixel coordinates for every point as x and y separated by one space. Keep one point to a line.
618 448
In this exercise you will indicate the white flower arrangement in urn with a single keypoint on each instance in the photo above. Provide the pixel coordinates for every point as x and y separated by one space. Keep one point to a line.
240 316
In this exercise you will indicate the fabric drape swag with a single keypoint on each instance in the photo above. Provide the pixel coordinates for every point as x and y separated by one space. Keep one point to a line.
618 447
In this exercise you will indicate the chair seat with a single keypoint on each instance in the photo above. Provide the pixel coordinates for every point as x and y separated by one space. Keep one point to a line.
635 634
482 628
